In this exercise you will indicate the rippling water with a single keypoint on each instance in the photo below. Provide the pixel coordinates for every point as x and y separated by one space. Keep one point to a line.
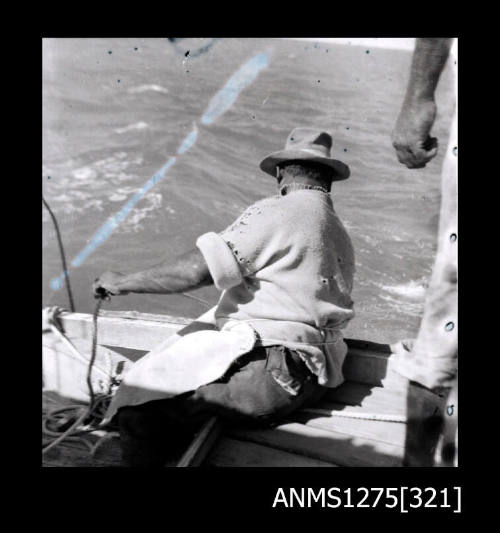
116 110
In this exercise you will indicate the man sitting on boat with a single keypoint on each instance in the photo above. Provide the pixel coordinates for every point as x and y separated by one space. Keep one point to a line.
285 268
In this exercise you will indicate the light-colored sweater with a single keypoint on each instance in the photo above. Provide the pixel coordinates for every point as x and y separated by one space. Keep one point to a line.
286 267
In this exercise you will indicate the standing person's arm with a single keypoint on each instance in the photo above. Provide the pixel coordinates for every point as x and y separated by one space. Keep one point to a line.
411 139
186 272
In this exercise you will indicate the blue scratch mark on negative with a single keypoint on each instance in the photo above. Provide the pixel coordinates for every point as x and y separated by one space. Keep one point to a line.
219 104
188 141
57 283
112 223
241 79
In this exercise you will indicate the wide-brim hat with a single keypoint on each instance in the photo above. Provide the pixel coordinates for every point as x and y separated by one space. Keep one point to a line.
306 144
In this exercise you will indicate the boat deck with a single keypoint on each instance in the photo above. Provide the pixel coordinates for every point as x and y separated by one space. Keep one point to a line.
305 439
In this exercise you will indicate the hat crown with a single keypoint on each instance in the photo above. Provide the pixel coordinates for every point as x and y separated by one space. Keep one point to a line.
311 140
306 144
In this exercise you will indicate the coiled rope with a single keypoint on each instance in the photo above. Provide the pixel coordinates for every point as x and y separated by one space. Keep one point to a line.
87 419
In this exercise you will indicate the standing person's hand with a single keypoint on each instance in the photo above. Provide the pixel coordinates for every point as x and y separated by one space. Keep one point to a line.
109 283
411 139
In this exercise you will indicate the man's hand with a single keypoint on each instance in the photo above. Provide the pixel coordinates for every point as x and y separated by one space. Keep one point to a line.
414 147
109 283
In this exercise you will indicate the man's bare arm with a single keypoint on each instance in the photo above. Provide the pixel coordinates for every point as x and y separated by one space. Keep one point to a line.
411 139
186 272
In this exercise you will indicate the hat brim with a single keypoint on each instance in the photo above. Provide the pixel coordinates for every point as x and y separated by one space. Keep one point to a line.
269 163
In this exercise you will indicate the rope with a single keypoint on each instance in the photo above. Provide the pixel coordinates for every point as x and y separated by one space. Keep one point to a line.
87 419
197 299
63 257
94 350
360 416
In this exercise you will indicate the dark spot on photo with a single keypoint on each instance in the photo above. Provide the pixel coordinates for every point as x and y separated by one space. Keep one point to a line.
110 51
367 52
449 326
453 237
186 54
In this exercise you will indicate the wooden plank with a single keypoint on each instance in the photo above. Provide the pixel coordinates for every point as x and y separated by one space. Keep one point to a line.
357 344
137 334
366 362
66 374
76 454
359 397
392 433
230 452
330 446
202 443
130 329
366 366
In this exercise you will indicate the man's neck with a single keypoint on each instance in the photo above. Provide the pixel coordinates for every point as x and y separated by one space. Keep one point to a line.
297 181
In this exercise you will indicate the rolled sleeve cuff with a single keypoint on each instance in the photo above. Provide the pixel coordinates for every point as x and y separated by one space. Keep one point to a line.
222 264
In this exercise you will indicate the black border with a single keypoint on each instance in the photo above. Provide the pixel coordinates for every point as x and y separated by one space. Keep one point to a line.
247 492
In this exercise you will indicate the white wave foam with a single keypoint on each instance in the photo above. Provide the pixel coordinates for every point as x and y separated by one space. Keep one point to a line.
132 127
148 88
149 204
403 307
84 173
117 197
413 290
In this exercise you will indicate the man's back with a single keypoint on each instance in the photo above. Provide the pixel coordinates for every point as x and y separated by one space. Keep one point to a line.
297 261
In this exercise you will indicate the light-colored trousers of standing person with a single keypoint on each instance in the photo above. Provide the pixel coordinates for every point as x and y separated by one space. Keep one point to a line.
434 355
433 360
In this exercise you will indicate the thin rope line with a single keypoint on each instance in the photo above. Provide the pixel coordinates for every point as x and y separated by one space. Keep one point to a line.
201 300
379 417
94 352
63 257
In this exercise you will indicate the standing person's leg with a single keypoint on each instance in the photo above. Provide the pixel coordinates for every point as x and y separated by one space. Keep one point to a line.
261 387
432 365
